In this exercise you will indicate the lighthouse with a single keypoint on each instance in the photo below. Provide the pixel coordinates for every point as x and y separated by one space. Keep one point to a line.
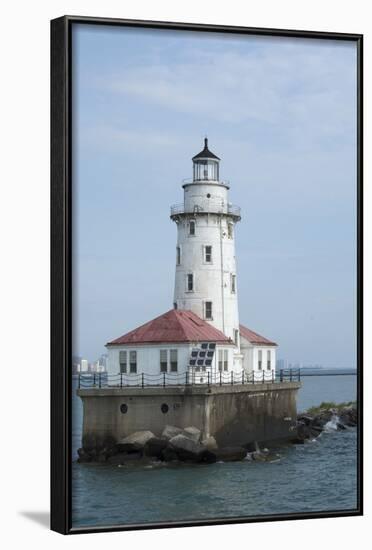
200 338
206 275
195 365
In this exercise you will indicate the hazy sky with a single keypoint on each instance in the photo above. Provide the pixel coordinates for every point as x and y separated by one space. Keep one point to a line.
281 114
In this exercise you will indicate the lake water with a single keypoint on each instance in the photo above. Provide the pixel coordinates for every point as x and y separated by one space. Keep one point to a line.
317 476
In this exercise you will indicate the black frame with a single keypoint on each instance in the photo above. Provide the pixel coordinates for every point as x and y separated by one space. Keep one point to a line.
61 288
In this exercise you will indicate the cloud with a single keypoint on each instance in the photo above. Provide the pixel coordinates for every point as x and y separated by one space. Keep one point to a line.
126 139
300 88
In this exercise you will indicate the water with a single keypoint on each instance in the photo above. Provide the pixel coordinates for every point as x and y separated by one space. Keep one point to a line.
318 476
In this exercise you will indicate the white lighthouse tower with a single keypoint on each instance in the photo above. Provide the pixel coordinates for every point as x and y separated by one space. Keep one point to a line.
200 339
206 279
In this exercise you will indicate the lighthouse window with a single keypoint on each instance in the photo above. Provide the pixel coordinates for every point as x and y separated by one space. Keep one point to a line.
260 359
133 362
233 283
225 359
220 360
163 360
178 255
208 254
190 282
173 360
230 230
123 361
192 227
268 359
208 310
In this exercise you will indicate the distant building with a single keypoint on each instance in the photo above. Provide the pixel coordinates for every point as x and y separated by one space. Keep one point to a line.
76 364
84 365
281 364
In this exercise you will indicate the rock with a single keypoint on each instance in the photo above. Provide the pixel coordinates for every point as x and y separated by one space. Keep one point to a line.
314 431
230 454
123 458
106 453
318 422
348 416
210 443
251 447
305 419
192 433
93 443
154 447
303 431
340 426
264 456
101 458
207 457
83 456
171 431
169 455
186 448
297 441
258 456
134 442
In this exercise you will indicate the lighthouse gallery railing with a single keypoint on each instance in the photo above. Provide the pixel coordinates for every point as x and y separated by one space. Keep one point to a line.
142 380
213 207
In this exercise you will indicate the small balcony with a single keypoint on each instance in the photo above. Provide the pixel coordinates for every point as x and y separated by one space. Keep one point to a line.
212 207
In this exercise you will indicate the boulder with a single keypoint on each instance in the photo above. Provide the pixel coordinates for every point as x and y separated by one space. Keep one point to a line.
297 441
83 456
258 456
264 456
192 433
207 457
306 419
154 447
210 443
171 431
169 455
251 447
324 416
186 448
134 442
348 416
303 431
101 458
230 454
93 443
123 458
105 453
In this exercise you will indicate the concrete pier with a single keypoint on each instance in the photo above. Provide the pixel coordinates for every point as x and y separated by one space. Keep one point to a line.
234 415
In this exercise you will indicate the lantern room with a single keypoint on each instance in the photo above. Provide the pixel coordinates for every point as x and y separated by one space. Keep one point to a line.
206 165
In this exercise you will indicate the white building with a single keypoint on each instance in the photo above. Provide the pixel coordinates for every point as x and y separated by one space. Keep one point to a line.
84 366
205 317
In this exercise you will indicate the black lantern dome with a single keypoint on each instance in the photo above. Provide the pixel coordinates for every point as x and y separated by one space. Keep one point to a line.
206 165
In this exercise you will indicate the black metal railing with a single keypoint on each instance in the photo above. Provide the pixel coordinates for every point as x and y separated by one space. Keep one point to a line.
142 380
211 207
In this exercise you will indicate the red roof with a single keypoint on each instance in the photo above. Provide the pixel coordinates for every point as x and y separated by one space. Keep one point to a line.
255 338
174 326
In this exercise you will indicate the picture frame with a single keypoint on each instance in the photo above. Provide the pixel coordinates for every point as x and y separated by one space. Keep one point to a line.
62 159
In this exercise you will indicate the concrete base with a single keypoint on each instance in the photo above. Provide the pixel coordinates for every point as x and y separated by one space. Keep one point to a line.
234 415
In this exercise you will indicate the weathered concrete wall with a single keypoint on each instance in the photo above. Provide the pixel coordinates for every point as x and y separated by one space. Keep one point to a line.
232 414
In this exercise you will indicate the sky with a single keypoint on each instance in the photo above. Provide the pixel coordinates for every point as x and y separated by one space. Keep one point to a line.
281 114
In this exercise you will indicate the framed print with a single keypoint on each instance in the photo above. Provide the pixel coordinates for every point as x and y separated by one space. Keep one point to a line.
206 262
